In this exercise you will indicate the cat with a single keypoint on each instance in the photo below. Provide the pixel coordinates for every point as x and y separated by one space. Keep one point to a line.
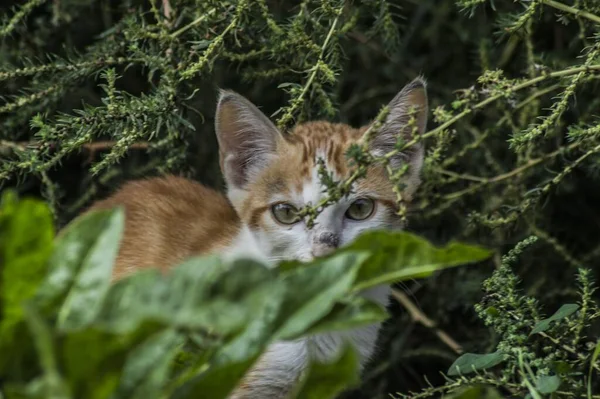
269 176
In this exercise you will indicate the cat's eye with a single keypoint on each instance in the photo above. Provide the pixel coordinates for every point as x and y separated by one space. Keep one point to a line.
360 209
285 213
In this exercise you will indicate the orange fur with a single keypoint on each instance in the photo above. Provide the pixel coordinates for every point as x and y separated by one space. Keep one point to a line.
168 219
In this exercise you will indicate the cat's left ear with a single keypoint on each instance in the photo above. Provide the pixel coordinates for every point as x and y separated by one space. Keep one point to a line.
247 139
410 102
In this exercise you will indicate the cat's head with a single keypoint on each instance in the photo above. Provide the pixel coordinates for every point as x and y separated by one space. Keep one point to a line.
270 174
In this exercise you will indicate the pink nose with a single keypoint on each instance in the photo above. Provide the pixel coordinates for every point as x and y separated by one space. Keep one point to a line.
319 250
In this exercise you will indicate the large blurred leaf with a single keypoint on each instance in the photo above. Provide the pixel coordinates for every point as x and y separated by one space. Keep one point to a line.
51 385
216 382
397 256
81 267
327 380
26 235
147 367
313 290
349 313
260 328
94 361
92 244
200 294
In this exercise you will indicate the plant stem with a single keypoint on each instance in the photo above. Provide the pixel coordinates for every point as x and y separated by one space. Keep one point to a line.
298 100
529 164
193 23
572 10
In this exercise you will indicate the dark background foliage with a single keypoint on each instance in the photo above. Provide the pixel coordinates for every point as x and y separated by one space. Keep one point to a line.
96 92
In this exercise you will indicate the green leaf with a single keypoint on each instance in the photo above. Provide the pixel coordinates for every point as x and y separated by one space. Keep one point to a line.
471 362
564 311
147 367
85 256
260 329
89 352
398 256
26 236
351 313
327 380
313 290
217 382
547 383
52 384
202 293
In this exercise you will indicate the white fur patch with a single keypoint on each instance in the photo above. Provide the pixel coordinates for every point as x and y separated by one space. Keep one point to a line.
245 246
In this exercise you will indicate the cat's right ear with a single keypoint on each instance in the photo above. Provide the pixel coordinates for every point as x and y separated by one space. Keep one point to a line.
247 139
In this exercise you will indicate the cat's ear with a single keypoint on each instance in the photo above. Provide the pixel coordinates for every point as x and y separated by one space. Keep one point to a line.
410 102
247 138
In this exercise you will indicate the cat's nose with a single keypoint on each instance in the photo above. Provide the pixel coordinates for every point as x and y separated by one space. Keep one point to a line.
319 250
328 239
325 243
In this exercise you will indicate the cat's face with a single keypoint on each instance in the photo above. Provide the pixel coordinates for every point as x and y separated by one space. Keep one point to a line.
272 175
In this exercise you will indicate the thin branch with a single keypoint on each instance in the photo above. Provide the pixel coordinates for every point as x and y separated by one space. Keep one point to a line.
195 22
420 317
572 10
529 164
167 9
95 146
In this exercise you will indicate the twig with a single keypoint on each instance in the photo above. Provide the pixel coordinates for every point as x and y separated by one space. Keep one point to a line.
572 10
484 181
10 145
104 145
95 146
194 23
167 9
420 317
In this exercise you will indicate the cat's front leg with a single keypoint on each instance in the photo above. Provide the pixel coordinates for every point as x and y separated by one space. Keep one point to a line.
275 373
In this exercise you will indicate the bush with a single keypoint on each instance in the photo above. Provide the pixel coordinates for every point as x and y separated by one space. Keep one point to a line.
96 92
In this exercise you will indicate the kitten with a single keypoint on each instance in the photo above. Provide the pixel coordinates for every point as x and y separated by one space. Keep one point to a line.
269 176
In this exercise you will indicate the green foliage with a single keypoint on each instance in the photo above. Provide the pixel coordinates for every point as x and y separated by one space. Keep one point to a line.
326 381
564 311
402 256
194 332
533 357
471 362
26 235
